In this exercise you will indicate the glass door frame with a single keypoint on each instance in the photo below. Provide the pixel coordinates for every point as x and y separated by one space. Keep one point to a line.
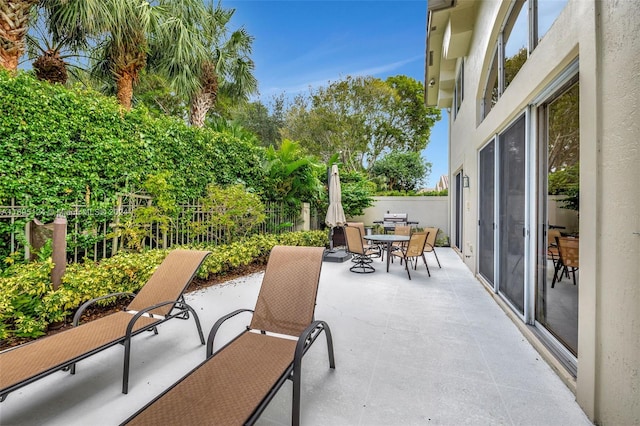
538 204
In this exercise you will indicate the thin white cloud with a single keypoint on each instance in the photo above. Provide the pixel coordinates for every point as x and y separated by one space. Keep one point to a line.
306 86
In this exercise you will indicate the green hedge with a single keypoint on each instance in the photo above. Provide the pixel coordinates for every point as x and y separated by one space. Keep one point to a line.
59 146
28 303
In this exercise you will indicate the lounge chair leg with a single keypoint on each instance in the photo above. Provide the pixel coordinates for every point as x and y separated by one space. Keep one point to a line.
125 370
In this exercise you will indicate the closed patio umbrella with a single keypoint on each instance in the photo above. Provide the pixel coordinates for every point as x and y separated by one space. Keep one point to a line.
335 213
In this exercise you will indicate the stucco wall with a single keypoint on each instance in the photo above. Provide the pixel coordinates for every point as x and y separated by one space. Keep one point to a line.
428 211
603 36
618 186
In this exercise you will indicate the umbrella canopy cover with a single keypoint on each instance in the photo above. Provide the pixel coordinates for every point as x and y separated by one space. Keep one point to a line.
335 214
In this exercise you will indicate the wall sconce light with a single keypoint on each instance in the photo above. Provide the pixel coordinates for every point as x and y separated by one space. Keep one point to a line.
465 181
432 82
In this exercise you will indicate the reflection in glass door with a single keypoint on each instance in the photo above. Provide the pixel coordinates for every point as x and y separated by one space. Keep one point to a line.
559 153
486 222
511 213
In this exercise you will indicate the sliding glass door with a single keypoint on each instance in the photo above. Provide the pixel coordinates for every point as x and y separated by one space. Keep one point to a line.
511 213
486 222
558 172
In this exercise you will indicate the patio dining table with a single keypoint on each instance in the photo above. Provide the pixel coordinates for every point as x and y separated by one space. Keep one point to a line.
388 240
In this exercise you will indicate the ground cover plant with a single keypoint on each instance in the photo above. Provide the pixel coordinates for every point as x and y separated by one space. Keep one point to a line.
28 303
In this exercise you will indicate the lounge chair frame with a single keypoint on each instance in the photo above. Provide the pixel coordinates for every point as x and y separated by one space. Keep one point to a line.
177 309
292 372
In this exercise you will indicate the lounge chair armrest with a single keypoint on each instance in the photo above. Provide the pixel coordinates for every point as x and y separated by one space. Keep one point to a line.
217 325
308 336
159 305
85 305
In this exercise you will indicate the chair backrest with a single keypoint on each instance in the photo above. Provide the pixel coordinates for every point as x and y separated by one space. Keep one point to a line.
287 298
416 244
360 226
402 230
354 239
431 238
169 280
569 249
552 234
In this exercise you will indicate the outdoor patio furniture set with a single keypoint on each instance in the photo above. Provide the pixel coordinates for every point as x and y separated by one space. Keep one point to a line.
403 243
234 384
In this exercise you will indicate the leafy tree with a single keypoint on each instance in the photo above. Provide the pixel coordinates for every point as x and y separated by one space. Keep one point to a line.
264 120
564 131
154 92
361 118
357 193
233 209
402 170
291 176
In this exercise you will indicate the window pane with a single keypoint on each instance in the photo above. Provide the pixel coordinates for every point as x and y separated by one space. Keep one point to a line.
548 11
491 90
516 36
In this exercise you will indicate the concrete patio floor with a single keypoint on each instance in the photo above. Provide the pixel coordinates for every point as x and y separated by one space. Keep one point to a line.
433 350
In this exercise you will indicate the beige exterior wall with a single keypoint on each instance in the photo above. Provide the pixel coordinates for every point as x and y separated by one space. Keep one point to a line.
603 36
427 211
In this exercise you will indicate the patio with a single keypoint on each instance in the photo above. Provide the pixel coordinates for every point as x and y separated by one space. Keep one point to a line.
432 350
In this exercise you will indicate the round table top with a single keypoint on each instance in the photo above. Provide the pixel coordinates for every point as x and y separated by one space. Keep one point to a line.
387 237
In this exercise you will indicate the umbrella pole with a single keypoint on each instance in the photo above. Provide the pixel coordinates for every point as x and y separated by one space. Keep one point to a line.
331 239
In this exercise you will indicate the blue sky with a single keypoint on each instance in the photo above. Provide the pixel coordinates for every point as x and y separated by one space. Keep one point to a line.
302 44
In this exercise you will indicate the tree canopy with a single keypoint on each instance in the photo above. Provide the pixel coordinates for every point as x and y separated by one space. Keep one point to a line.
362 118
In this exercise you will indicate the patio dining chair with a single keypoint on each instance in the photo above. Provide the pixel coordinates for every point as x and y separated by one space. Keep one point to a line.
430 247
235 384
568 260
413 250
160 300
361 257
373 250
404 230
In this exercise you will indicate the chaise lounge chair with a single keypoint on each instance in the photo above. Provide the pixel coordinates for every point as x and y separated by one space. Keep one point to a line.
158 301
235 384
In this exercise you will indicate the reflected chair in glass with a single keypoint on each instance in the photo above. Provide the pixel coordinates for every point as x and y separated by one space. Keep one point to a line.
360 256
568 258
552 246
412 251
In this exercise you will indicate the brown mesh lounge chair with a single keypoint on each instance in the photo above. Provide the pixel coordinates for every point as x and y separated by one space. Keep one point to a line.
235 384
413 250
158 301
362 257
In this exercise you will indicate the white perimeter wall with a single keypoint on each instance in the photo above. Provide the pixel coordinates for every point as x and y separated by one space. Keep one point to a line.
427 211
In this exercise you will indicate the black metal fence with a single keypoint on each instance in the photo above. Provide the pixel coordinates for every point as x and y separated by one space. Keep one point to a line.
96 233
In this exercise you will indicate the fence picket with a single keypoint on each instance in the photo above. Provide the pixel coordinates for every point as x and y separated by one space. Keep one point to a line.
98 238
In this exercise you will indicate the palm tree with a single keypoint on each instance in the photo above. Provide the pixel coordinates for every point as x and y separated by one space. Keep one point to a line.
123 31
14 24
224 65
